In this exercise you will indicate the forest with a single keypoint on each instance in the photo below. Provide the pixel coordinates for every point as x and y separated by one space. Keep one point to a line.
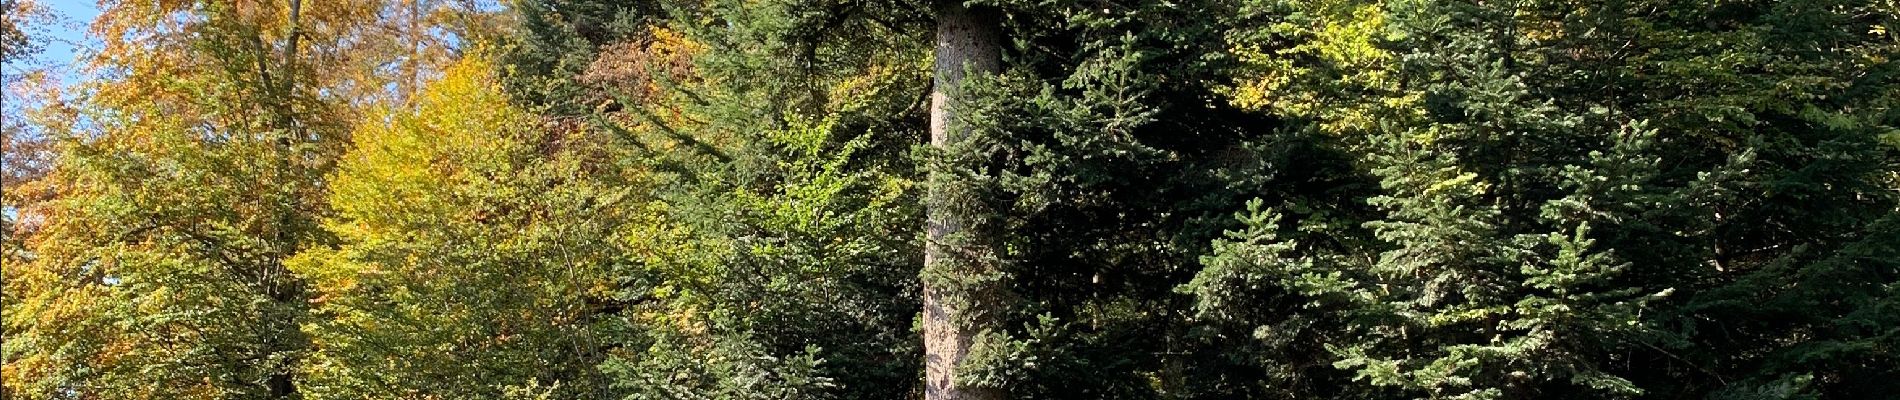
952 200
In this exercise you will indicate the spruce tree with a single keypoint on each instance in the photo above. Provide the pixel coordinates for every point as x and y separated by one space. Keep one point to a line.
1563 188
960 282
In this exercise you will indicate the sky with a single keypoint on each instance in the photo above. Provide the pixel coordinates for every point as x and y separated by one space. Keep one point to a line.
62 41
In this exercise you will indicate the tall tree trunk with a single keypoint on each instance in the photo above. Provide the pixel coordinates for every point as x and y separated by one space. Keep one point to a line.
278 282
968 41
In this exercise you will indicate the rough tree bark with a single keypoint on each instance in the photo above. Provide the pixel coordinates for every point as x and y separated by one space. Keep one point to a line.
968 42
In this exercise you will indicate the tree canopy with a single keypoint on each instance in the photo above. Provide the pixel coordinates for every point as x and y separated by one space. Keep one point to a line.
956 200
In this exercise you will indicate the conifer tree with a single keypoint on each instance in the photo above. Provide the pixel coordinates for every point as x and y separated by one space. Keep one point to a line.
785 244
960 286
1562 188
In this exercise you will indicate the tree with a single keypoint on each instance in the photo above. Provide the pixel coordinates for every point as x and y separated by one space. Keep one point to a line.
782 260
178 188
472 248
24 150
159 273
791 178
841 199
1561 193
553 43
959 289
1085 253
